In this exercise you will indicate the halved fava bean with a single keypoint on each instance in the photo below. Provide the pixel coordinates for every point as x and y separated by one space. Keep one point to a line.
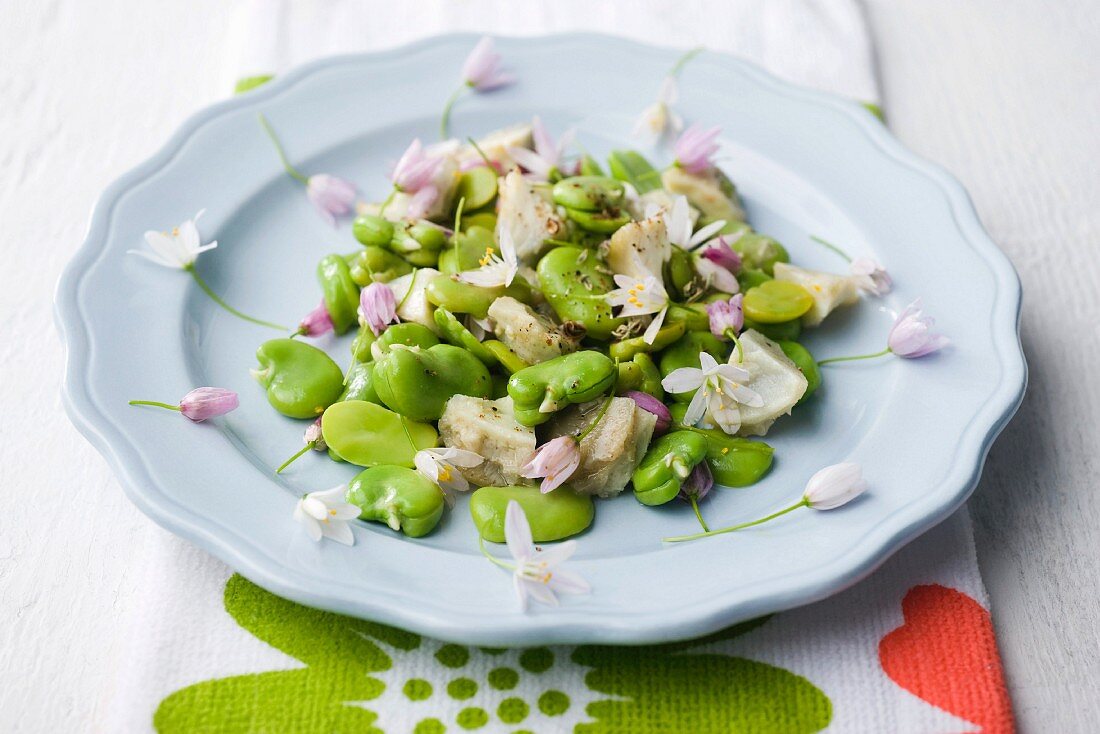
588 193
301 380
542 389
553 516
459 297
417 383
455 333
478 186
341 292
776 301
605 221
374 264
399 497
367 434
666 465
406 334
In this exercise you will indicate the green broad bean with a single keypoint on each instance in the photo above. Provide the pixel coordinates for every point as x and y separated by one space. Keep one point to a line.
757 251
783 331
455 333
552 516
542 389
734 462
631 167
505 356
605 221
500 386
590 167
340 291
641 374
359 383
776 301
368 434
410 238
478 186
406 334
751 277
685 353
628 378
373 263
575 284
422 258
806 364
627 348
485 220
679 271
418 383
692 316
372 230
301 380
588 193
459 297
361 344
666 464
401 498
467 251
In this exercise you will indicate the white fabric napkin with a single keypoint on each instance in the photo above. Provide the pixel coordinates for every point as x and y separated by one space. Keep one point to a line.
183 635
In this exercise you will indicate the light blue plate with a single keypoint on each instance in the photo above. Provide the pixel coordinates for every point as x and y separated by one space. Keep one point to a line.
806 163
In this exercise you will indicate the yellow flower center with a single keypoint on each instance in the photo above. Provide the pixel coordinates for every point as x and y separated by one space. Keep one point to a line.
444 473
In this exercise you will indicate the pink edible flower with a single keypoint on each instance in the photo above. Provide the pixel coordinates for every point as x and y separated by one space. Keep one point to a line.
316 322
481 71
554 461
720 253
422 202
208 402
911 335
650 404
871 277
377 306
547 155
726 315
333 196
698 484
415 169
695 148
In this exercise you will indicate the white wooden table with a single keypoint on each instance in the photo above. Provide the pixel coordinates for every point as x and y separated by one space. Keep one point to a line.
1003 93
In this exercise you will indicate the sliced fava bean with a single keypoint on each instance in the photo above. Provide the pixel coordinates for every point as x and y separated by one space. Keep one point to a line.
575 284
679 272
685 353
486 220
777 301
341 293
360 383
542 389
553 516
301 380
374 264
478 186
409 238
459 297
455 333
757 250
399 497
783 331
418 383
371 229
666 464
806 364
367 434
406 334
605 221
588 193
505 356
627 348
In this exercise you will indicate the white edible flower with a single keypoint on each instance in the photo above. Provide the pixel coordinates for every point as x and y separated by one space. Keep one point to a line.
659 118
441 466
326 514
495 270
719 389
537 573
640 297
679 226
870 277
176 249
834 486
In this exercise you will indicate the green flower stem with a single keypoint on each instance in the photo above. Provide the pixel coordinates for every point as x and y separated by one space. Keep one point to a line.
296 456
680 538
737 343
698 515
853 358
679 65
387 202
832 247
599 416
294 173
156 404
221 302
485 552
480 152
445 120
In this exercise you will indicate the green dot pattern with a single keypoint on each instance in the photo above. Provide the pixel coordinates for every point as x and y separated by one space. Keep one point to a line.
453 656
536 660
461 688
472 718
417 689
429 726
503 679
513 710
494 650
553 703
